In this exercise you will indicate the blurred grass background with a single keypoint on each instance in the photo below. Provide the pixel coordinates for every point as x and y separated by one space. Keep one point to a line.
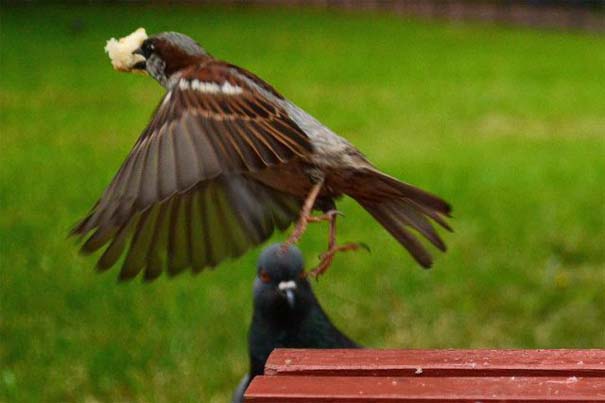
506 124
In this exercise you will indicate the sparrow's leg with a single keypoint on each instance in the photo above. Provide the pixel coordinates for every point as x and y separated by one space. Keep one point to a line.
305 214
327 257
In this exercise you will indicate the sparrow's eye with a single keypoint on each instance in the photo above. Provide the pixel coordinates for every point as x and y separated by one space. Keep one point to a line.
264 277
302 275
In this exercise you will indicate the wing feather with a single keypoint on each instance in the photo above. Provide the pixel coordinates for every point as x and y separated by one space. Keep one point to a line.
178 238
166 171
196 233
187 161
115 248
149 187
156 257
141 240
211 164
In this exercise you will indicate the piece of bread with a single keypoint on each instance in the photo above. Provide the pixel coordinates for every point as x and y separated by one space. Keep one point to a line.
120 51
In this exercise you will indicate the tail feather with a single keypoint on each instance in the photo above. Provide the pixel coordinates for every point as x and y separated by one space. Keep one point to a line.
434 215
409 215
399 232
390 185
399 207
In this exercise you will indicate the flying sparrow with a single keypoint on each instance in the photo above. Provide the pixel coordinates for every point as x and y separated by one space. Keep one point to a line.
224 161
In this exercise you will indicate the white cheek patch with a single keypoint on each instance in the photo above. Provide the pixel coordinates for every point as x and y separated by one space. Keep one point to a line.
210 88
286 285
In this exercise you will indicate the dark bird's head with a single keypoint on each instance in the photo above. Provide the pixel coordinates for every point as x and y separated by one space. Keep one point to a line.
281 289
166 53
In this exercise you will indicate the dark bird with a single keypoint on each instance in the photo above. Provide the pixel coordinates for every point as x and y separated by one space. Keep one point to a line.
224 161
286 312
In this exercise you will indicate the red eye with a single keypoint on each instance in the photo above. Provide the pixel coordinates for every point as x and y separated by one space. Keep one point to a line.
302 275
264 277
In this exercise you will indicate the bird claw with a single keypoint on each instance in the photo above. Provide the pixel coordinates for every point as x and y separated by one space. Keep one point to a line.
327 257
327 216
353 246
334 213
364 246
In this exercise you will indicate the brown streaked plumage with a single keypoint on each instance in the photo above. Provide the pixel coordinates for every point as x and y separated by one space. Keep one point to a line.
224 161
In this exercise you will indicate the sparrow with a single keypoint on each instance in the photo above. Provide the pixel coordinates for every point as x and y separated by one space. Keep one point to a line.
286 312
225 161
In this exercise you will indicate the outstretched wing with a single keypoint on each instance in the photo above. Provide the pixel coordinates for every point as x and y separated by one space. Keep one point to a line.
183 197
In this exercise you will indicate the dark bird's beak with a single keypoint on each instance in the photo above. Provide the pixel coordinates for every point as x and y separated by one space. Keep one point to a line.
287 289
141 65
290 298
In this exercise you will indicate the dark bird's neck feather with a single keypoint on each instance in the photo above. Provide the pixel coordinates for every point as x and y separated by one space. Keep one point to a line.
304 328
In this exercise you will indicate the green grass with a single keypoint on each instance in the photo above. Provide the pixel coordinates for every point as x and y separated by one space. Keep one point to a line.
506 124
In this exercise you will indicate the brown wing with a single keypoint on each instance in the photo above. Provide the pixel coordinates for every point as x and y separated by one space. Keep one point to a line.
182 197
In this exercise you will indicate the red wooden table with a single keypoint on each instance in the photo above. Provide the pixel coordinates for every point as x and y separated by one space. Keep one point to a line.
431 376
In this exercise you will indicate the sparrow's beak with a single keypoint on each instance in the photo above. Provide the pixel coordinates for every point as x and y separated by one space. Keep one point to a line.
141 64
287 288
